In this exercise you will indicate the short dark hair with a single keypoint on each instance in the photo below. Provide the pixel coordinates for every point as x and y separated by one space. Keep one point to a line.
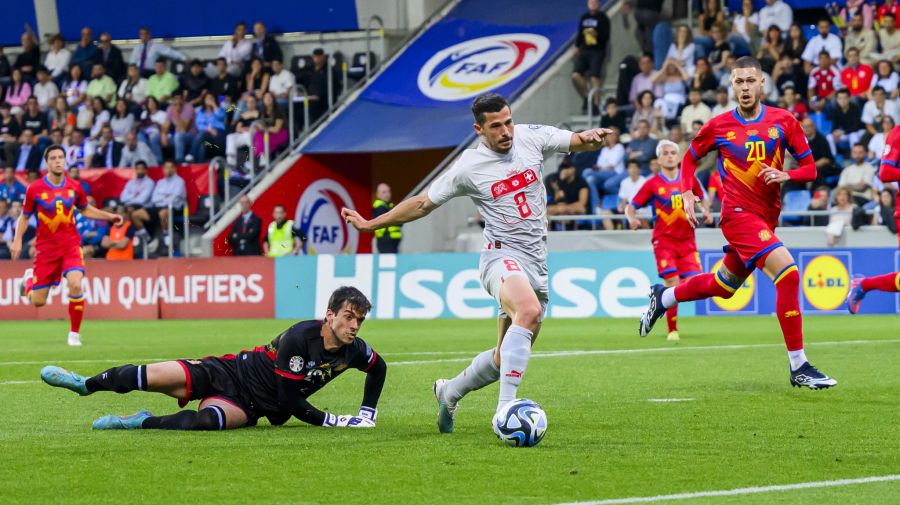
488 102
843 91
350 296
853 49
50 149
140 162
878 88
169 160
748 62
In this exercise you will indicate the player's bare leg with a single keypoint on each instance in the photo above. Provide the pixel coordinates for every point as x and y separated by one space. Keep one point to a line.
519 301
672 312
76 305
780 267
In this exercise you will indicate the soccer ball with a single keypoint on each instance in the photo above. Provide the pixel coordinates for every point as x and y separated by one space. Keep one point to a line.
520 423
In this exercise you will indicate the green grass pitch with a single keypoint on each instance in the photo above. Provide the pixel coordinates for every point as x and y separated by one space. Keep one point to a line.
742 425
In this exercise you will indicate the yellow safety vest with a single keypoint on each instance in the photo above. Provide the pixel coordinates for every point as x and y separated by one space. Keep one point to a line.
393 231
281 240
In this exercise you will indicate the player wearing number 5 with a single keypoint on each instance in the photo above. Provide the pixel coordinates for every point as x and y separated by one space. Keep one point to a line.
673 236
752 141
504 177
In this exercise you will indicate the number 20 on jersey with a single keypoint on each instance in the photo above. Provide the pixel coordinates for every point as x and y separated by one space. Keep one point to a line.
756 151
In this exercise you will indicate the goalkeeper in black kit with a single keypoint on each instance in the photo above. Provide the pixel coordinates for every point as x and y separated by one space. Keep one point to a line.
271 381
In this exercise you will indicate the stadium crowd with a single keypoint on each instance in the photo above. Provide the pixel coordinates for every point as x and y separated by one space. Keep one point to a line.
160 107
838 77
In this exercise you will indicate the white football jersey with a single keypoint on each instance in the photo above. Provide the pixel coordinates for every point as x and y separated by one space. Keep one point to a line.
507 188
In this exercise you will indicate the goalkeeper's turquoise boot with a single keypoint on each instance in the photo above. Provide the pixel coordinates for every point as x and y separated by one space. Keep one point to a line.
62 378
446 412
133 422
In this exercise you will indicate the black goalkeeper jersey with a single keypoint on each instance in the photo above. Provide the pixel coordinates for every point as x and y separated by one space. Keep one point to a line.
298 354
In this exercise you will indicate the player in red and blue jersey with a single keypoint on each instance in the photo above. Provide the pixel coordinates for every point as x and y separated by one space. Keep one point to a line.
673 236
54 199
752 140
889 172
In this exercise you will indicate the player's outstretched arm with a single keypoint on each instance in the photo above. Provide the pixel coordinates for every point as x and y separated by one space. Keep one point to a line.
588 140
15 249
92 212
631 214
289 400
375 377
408 210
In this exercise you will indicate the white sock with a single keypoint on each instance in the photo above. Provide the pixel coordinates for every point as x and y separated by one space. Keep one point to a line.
798 358
514 353
668 298
479 374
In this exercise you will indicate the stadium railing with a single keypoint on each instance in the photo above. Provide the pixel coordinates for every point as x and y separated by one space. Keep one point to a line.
715 215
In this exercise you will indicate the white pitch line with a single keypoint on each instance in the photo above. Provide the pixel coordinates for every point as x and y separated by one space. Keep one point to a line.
739 491
9 383
669 400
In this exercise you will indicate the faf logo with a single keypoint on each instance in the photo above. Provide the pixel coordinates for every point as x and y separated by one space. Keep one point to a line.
826 282
319 218
479 65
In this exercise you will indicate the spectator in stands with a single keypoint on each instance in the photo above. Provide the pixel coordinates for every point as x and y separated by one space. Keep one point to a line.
224 85
877 143
823 41
237 50
122 121
35 119
5 224
643 81
265 47
876 108
676 134
75 88
647 13
9 130
195 85
281 83
119 242
99 116
862 39
111 57
721 50
24 154
889 37
788 75
5 68
181 122
108 152
746 24
856 76
710 14
683 49
61 116
821 152
887 79
819 202
257 79
775 13
162 84
846 123
884 215
793 104
148 51
613 117
11 189
859 176
245 232
243 131
17 92
133 88
153 122
672 77
78 150
795 45
642 147
770 49
282 239
91 231
628 190
609 168
28 60
86 52
570 194
57 59
841 215
101 85
210 130
272 120
589 51
824 80
45 90
135 151
888 8
695 110
648 110
704 80
169 189
74 173
138 192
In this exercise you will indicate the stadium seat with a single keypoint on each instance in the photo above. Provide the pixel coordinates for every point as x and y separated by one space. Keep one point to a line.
610 202
301 63
358 64
179 68
794 201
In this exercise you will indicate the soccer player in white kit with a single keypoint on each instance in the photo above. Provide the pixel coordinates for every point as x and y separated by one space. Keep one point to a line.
504 177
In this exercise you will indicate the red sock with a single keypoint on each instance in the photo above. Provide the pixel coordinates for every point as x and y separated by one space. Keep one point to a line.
76 312
787 305
700 287
672 318
887 282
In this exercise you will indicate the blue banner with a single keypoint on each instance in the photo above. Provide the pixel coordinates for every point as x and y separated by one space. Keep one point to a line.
447 285
422 100
825 276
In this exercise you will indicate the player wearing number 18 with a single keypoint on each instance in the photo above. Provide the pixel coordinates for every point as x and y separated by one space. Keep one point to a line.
752 140
504 177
